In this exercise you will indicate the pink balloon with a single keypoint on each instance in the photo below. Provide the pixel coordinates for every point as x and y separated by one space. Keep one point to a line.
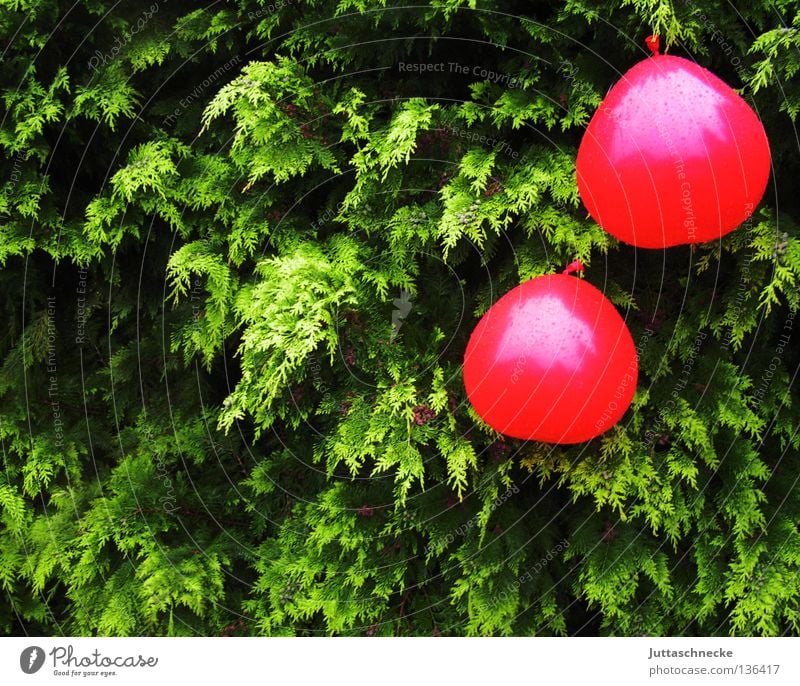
672 156
551 361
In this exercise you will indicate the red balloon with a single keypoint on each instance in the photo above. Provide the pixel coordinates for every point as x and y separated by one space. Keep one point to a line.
551 361
672 156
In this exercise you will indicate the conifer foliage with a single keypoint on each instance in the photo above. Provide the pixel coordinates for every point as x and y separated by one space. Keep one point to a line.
242 248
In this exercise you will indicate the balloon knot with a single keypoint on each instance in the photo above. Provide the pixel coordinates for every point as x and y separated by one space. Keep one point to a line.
653 42
576 266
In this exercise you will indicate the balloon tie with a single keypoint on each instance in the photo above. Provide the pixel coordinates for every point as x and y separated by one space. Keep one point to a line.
576 266
653 42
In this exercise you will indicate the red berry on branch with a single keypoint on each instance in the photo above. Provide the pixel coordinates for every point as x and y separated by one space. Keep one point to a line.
423 414
493 188
451 402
